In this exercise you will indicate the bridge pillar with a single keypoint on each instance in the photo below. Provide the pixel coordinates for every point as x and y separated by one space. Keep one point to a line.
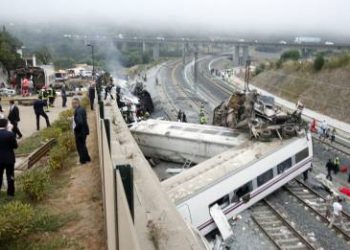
124 46
143 47
156 48
245 55
236 60
195 70
184 54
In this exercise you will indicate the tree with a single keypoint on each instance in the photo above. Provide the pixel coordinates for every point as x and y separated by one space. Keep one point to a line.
290 55
319 62
8 51
44 55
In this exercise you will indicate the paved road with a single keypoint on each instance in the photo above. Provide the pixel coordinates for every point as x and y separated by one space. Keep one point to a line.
27 125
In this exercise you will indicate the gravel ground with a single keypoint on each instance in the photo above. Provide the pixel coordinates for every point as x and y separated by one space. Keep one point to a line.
315 230
248 236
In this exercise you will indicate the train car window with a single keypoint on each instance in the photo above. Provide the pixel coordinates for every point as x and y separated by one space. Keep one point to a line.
303 154
265 177
210 132
191 129
283 166
230 134
222 202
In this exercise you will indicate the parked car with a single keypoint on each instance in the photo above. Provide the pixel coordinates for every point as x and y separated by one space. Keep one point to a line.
7 92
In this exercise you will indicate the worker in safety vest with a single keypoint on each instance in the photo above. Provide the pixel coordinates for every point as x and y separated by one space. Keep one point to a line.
51 96
336 165
44 95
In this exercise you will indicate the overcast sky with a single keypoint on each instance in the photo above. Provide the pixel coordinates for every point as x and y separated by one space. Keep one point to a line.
300 16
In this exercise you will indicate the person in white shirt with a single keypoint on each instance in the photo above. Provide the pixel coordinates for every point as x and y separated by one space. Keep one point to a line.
337 212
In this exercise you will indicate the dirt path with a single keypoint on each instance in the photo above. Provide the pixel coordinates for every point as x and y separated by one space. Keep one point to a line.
82 196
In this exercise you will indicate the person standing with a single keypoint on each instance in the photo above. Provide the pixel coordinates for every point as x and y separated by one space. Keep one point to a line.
330 168
92 96
1 110
336 165
81 130
337 210
39 105
7 160
108 90
13 117
64 95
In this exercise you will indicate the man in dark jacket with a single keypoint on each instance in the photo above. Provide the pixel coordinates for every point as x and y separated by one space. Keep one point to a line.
64 95
92 96
330 168
7 160
13 117
81 130
1 110
39 105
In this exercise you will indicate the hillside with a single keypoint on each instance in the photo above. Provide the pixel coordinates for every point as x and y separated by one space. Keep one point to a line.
326 91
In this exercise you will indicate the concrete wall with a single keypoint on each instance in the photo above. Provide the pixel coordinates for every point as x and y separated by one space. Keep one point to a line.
158 225
120 230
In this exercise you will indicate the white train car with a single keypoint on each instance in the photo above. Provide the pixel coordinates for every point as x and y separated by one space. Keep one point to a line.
238 178
178 142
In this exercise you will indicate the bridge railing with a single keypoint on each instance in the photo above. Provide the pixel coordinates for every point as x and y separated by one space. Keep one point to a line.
119 227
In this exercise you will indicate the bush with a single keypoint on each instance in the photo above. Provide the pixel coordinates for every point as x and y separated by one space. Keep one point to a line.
56 157
35 183
290 55
67 141
64 121
51 133
338 61
318 62
15 220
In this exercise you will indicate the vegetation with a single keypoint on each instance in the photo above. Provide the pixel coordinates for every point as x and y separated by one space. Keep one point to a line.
44 55
29 144
23 220
8 51
319 62
338 61
35 184
15 220
293 55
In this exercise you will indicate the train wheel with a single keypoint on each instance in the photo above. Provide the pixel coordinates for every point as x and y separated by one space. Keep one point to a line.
265 135
288 131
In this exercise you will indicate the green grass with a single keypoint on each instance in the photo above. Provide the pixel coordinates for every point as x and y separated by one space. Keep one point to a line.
28 145
45 221
52 244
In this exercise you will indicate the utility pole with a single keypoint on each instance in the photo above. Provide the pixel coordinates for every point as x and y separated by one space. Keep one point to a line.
247 75
93 60
195 70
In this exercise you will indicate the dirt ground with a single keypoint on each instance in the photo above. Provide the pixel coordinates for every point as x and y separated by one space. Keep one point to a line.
82 195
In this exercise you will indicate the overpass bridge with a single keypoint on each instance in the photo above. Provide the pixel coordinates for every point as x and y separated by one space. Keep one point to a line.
240 51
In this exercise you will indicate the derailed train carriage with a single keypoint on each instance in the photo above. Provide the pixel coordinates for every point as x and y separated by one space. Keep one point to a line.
243 175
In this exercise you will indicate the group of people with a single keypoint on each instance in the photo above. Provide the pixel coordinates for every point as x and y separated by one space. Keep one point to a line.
9 131
181 116
326 133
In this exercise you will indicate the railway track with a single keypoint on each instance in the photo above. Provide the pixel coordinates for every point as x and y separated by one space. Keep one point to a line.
276 227
336 146
318 205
